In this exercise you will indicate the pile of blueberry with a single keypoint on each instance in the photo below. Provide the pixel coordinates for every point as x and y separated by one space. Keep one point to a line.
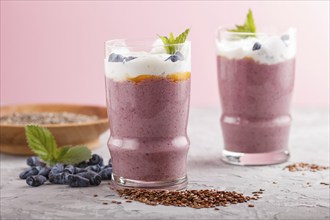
86 173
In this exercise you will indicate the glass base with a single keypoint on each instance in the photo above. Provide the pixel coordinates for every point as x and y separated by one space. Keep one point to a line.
123 183
268 158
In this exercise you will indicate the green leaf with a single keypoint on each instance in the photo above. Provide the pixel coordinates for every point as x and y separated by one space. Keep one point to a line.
42 142
73 155
248 26
170 44
182 37
172 39
165 42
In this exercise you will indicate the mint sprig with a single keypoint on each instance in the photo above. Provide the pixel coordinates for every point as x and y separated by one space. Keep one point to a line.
42 142
248 26
170 43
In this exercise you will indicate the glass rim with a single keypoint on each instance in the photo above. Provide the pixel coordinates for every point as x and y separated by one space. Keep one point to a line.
138 42
274 31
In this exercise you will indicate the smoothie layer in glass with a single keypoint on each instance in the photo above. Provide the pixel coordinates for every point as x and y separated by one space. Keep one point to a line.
256 79
148 122
256 104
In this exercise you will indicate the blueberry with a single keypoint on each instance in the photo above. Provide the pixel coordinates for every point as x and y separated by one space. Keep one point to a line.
80 170
115 58
175 57
78 181
285 37
95 168
37 180
44 171
29 172
96 159
106 173
60 178
256 46
94 178
69 169
58 168
126 59
34 161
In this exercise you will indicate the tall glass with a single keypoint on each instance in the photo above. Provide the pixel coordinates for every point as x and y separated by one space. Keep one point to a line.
256 79
148 95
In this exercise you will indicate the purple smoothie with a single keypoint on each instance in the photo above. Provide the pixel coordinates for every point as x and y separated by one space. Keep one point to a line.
148 123
255 102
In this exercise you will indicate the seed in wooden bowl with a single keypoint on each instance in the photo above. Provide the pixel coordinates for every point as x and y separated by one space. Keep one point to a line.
46 118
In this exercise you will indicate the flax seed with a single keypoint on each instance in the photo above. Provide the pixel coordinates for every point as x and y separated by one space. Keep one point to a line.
305 167
197 199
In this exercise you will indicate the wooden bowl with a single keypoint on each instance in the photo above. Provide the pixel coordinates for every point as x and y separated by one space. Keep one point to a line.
13 139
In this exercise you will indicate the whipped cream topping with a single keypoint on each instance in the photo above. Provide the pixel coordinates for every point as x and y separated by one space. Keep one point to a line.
147 63
274 48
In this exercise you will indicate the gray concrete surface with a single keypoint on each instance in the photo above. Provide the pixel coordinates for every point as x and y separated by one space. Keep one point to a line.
297 195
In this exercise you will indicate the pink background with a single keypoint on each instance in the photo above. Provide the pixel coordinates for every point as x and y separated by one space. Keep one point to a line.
52 51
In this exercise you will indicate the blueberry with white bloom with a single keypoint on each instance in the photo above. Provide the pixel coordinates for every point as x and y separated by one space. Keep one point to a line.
94 178
175 57
256 46
36 180
29 172
95 160
106 173
44 171
78 181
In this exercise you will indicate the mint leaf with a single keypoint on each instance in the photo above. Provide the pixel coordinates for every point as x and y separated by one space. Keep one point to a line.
73 155
248 26
170 43
182 37
166 41
42 142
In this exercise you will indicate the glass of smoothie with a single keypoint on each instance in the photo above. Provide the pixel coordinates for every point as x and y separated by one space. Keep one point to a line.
148 95
256 78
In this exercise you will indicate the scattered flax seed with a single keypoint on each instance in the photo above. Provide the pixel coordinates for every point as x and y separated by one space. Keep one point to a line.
216 209
95 195
323 183
208 198
274 182
129 201
305 167
251 205
118 203
113 201
104 203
